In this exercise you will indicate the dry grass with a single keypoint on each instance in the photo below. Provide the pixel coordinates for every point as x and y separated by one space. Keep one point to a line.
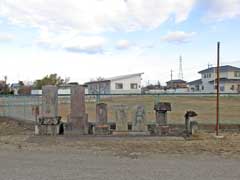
204 106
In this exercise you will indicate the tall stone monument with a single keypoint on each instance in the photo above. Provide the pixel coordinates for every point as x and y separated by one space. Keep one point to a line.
78 116
121 118
49 122
101 114
101 127
139 119
49 101
161 110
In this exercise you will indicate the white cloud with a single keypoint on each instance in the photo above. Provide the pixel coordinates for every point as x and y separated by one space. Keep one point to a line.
123 44
72 42
94 16
6 37
89 45
222 9
178 37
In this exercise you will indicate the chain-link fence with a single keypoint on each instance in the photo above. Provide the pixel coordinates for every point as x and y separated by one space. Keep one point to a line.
21 107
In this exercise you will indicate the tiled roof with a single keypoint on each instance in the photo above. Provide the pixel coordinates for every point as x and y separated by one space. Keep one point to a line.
177 81
198 81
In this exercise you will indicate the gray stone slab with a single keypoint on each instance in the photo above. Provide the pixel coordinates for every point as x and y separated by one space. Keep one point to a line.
77 101
101 114
139 119
121 117
78 121
49 101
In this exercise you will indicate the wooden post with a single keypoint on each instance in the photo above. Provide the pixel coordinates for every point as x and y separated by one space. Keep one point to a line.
217 86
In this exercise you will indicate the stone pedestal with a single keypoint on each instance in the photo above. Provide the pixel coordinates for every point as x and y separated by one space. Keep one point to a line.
121 118
161 112
52 130
101 130
78 120
163 130
139 121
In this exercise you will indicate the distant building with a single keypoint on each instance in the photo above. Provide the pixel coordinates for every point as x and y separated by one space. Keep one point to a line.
15 88
2 86
63 89
229 80
130 83
176 84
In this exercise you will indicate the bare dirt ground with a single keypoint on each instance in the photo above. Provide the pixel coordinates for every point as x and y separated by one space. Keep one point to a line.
25 156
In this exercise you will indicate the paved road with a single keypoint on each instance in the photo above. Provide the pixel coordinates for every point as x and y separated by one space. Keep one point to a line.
21 165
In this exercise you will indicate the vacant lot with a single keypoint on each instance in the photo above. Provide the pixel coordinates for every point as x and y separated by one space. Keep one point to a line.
204 106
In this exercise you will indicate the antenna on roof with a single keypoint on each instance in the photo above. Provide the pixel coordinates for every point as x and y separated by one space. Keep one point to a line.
180 75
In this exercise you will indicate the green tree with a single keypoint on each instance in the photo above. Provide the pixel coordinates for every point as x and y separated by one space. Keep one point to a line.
52 79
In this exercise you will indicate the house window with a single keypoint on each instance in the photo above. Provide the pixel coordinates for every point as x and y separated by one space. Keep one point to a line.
202 87
232 87
236 74
119 86
222 88
133 85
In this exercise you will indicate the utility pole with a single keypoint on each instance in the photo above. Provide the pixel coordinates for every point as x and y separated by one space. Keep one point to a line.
171 78
180 75
217 82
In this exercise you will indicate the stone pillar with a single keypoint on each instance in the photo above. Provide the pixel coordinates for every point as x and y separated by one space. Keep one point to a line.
121 118
101 114
161 112
49 101
101 127
191 126
78 115
139 119
49 121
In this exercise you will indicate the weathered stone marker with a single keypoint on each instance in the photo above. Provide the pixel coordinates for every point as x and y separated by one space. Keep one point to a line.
139 119
49 121
191 126
121 118
78 116
49 101
161 109
101 113
101 127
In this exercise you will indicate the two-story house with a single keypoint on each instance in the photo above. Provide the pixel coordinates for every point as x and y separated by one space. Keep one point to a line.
130 83
229 80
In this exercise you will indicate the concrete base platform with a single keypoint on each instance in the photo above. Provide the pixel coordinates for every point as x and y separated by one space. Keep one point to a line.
130 133
51 130
101 130
137 133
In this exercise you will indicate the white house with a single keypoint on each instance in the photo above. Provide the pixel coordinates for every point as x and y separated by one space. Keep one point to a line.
130 83
229 80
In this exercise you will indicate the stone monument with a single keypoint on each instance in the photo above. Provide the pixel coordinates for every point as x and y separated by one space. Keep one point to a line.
49 122
78 121
101 127
139 119
161 110
121 118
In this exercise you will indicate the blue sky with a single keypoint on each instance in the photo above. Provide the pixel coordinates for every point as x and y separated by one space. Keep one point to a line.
87 39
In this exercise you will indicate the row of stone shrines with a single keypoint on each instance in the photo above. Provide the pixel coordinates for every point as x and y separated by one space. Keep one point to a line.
50 123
